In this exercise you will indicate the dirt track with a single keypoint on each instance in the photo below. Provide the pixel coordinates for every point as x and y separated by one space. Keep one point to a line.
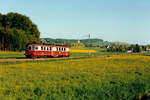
25 59
40 59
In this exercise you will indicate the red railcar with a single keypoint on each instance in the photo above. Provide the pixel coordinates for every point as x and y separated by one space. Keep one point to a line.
34 50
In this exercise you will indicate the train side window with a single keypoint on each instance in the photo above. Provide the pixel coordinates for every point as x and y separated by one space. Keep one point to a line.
36 48
59 49
47 48
41 48
50 48
64 49
44 48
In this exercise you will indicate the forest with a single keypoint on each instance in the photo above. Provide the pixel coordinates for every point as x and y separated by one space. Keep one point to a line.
16 30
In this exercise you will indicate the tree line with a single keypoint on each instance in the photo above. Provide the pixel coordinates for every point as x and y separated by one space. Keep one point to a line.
122 48
16 30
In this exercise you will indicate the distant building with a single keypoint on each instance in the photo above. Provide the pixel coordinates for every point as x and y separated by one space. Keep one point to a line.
129 50
148 48
78 41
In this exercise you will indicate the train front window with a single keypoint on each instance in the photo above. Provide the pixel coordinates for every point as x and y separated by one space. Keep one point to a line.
29 48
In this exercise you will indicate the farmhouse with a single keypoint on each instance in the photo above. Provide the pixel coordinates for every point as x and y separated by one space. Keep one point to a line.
148 48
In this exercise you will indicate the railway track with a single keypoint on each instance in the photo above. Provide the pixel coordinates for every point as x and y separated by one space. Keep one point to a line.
26 59
42 59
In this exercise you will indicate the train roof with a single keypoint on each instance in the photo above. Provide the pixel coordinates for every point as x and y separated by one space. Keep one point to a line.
47 44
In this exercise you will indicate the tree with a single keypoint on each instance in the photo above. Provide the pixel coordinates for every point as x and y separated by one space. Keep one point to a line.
144 48
16 31
136 48
1 18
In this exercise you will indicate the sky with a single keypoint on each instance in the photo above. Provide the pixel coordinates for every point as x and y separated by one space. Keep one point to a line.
110 20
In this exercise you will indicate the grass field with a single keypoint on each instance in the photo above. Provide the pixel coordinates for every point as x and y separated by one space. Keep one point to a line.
75 52
11 54
104 78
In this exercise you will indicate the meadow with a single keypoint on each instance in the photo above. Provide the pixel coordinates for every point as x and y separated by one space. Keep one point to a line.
96 78
84 52
11 54
75 52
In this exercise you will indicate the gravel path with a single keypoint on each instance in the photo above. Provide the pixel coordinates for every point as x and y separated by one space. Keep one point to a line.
26 59
40 59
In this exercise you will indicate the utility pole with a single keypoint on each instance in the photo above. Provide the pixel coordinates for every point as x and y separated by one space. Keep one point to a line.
89 45
88 38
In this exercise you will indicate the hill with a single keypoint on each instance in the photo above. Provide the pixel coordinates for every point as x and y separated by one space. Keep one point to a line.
94 42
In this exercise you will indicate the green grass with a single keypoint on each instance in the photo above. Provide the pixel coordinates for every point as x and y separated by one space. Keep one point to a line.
6 56
110 78
100 52
145 53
